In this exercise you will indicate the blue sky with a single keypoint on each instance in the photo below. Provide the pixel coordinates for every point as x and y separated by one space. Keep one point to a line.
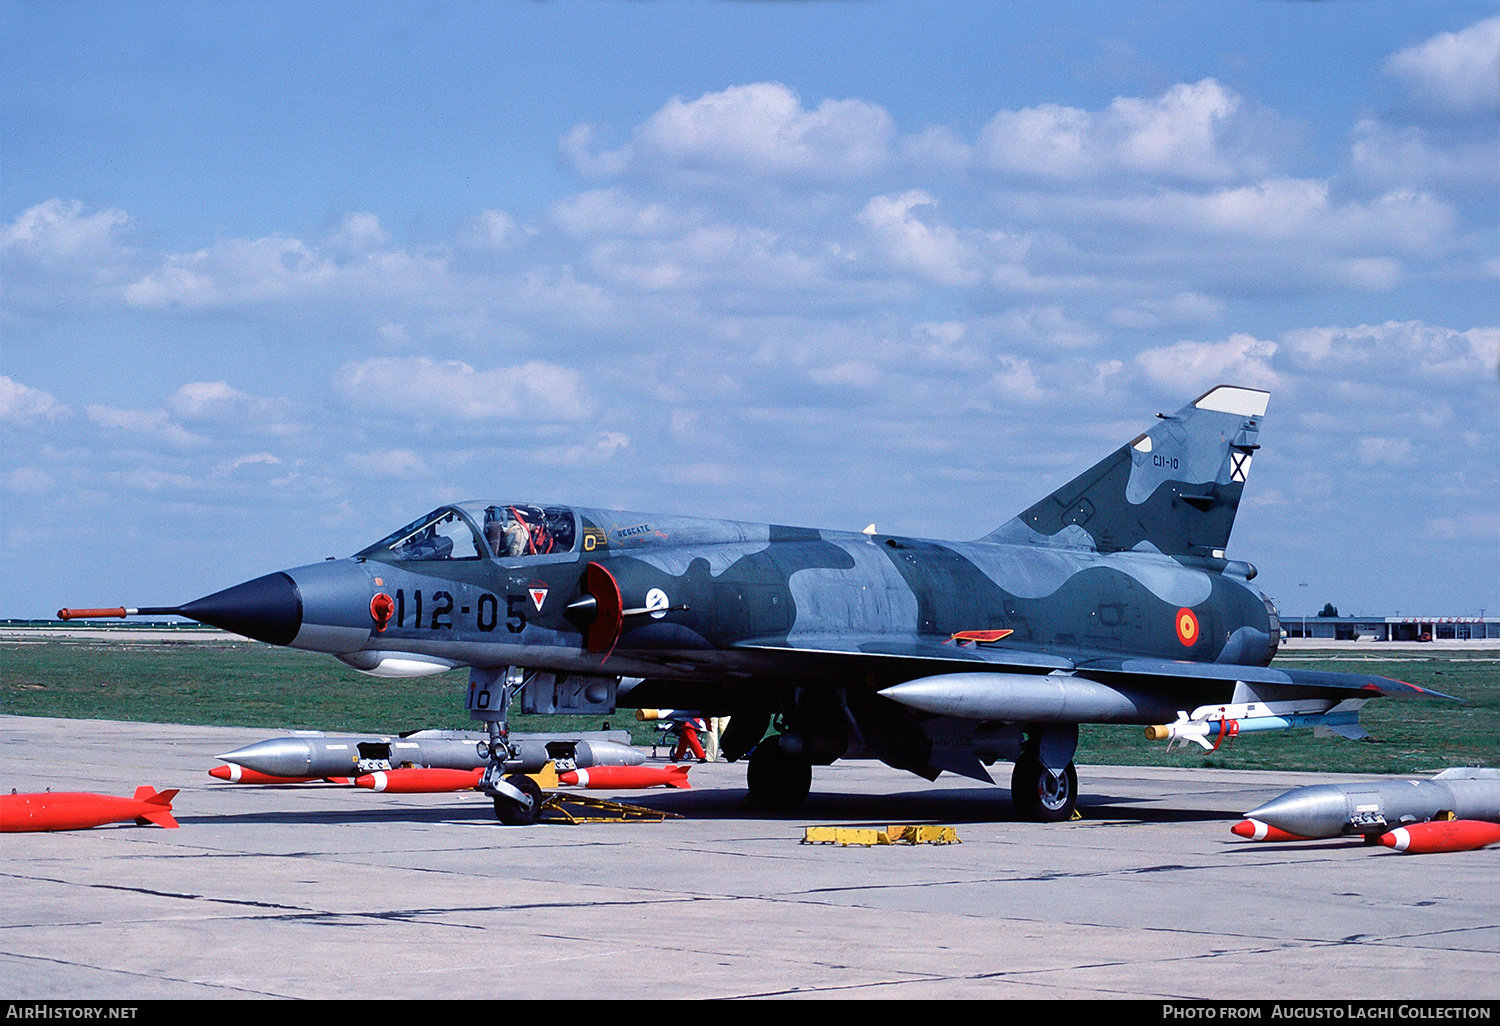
279 277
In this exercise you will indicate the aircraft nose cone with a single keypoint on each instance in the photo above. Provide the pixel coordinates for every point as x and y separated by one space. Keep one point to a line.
267 609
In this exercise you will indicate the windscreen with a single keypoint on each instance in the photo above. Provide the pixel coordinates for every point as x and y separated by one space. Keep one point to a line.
441 534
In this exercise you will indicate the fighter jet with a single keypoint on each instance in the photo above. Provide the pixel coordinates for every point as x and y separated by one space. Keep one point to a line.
1109 601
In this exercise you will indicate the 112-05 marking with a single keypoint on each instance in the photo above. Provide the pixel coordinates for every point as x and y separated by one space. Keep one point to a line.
439 611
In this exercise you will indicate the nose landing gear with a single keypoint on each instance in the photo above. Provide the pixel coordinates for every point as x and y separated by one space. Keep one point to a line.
518 798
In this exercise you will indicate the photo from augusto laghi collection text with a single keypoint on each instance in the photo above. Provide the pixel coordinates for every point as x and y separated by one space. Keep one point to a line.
1332 1010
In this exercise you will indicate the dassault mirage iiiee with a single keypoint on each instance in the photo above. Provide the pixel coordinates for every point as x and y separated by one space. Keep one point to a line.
1109 601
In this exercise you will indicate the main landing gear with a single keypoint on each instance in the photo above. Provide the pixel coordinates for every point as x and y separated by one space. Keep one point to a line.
1042 794
778 780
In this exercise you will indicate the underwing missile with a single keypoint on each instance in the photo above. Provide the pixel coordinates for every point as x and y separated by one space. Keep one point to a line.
1442 835
79 810
1211 726
656 715
1378 806
627 777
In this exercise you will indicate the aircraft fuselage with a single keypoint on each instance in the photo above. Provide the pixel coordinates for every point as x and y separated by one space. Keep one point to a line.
717 610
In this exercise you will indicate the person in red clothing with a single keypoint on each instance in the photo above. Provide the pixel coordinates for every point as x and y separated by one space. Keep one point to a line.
687 739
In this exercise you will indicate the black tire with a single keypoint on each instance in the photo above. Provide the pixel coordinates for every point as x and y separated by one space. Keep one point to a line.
513 813
777 781
1040 795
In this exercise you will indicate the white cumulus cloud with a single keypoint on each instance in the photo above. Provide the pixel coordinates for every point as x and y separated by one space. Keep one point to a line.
758 129
1240 359
1457 72
1399 351
935 252
358 233
60 230
1197 131
153 424
219 402
439 389
21 404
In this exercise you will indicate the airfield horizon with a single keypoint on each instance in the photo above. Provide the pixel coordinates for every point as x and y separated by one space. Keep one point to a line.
206 676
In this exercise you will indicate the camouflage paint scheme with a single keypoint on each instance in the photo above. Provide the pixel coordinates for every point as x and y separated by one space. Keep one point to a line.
1110 600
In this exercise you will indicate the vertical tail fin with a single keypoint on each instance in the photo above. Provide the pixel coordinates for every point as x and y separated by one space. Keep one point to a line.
1174 489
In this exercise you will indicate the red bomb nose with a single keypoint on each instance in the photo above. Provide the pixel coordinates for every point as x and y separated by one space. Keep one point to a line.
1255 830
237 774
1442 836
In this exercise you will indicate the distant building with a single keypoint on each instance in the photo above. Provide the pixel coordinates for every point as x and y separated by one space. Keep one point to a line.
1393 628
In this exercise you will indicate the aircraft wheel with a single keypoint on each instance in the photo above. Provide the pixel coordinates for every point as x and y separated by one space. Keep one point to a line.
513 813
776 779
1041 795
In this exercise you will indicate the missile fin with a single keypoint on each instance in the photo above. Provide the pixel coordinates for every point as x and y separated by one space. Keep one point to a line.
162 817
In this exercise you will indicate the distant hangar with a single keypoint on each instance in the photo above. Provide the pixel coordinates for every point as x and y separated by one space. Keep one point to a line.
1393 628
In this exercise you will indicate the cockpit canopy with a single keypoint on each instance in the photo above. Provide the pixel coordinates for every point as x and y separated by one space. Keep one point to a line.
475 530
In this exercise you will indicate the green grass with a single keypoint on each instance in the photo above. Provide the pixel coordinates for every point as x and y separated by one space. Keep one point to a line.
253 685
245 684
